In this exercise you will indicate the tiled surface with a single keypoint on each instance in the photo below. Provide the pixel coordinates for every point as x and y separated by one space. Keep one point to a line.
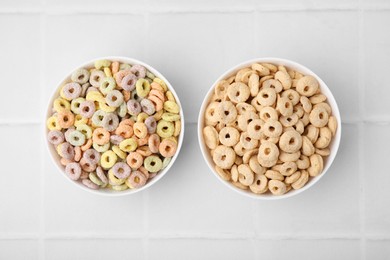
189 214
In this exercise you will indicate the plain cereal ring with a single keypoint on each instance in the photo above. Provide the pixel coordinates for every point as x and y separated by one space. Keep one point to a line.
307 86
152 163
303 162
292 178
71 91
96 78
87 108
324 138
316 165
332 124
298 109
274 175
324 106
312 133
136 180
108 159
223 173
284 78
268 113
92 156
101 136
248 142
318 98
76 138
210 136
292 95
290 141
306 104
254 129
107 85
211 115
245 175
227 112
302 180
319 117
307 146
167 148
228 136
134 160
65 119
277 187
243 108
110 122
238 92
272 128
260 184
224 157
273 84
299 127
255 165
55 137
243 75
128 145
165 129
221 88
234 173
244 119
284 106
125 131
254 84
261 69
288 168
73 170
268 154
121 170
266 97
147 106
323 152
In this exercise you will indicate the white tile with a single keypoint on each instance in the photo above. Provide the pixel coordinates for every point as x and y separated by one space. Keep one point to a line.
200 249
76 39
308 249
376 66
331 206
21 3
21 174
94 249
193 50
87 4
204 4
377 177
20 97
378 249
325 42
312 4
190 199
19 249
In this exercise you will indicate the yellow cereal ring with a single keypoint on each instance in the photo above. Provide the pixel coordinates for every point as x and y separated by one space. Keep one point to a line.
85 129
108 159
107 71
79 120
103 106
52 123
171 107
141 117
142 87
120 187
95 96
61 104
158 115
165 129
119 152
161 83
114 180
102 64
101 148
177 128
170 117
170 96
128 145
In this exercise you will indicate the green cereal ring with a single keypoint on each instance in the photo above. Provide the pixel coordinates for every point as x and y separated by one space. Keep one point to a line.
101 148
97 118
128 145
76 138
124 66
150 75
85 130
122 109
171 107
102 63
165 129
170 117
92 176
120 187
108 84
143 87
80 76
75 105
166 161
153 163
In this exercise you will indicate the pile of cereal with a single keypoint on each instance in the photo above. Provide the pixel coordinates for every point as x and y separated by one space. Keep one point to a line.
114 126
268 129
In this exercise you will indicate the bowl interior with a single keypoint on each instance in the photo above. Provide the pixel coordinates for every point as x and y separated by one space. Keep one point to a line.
334 145
56 158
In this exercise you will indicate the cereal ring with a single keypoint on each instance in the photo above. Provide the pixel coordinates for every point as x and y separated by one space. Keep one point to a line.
65 162
144 151
71 91
150 124
260 184
234 173
87 145
100 64
122 110
228 136
284 78
332 124
159 94
116 139
211 114
55 137
319 117
221 88
303 162
165 129
266 97
153 163
141 117
134 160
170 117
307 86
80 76
272 84
89 184
167 148
76 138
245 175
238 92
239 149
227 112
318 98
121 154
136 180
243 108
75 105
240 74
143 141
268 154
103 106
288 168
108 159
138 70
254 84
65 119
316 165
323 152
290 142
298 109
312 133
120 75
107 85
292 178
95 96
307 146
255 165
87 166
158 103
292 95
223 173
306 104
125 131
84 89
248 142
128 145
101 175
140 130
133 107
277 187
274 175
110 122
92 176
156 86
101 136
128 82
268 113
147 106
142 87
289 157
96 78
114 98
73 170
92 156
240 186
224 157
97 118
60 104
244 119
113 180
272 128
121 170
302 180
171 107
210 136
87 109
262 70
284 106
288 121
254 129
305 119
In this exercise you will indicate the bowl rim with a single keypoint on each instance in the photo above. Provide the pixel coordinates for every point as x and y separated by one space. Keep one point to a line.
335 143
54 157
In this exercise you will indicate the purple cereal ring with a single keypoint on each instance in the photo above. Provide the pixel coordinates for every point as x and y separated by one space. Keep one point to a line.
101 175
133 107
73 170
147 106
110 122
137 179
151 124
88 183
71 90
116 139
121 170
87 108
138 70
92 156
96 78
87 166
128 82
67 151
55 137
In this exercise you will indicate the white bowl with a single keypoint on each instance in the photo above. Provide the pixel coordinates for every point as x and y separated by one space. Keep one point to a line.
334 146
56 158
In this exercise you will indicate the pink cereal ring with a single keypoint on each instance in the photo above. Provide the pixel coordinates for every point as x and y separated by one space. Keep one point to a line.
144 151
100 136
154 143
147 106
71 90
88 183
84 175
167 148
92 156
144 172
77 153
67 151
158 104
143 141
128 82
116 139
156 86
87 108
55 137
133 107
138 70
87 166
120 75
157 93
137 179
134 160
87 145
101 175
73 170
127 122
121 170
124 131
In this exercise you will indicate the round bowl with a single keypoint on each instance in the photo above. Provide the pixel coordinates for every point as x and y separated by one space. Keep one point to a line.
56 158
334 145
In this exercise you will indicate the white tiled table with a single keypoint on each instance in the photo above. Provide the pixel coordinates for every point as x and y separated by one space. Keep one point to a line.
189 214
